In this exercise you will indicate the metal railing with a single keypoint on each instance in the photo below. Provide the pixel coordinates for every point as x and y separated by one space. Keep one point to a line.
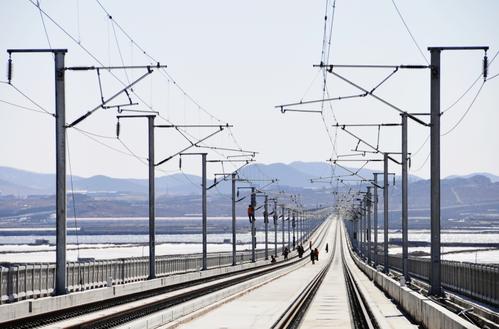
23 281
477 281
33 280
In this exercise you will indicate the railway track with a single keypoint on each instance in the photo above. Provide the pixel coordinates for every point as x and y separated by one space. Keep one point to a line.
158 299
361 315
293 315
120 310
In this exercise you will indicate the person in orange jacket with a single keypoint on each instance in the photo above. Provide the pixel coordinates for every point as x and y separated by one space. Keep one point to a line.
251 213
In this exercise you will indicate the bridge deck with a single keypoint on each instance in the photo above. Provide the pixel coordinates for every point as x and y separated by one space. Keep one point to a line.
261 307
330 307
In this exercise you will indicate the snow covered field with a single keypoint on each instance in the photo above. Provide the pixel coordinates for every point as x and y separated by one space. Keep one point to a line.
21 248
116 248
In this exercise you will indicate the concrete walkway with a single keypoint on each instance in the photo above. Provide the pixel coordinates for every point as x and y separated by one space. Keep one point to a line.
261 307
387 313
330 306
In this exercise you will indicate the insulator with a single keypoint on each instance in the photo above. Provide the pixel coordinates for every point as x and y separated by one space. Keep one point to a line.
485 67
9 70
118 129
180 163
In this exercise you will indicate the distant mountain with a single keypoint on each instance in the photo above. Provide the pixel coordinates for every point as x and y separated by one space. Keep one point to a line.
107 184
321 169
32 182
313 169
493 178
22 182
8 188
458 191
467 200
299 174
178 184
296 175
286 174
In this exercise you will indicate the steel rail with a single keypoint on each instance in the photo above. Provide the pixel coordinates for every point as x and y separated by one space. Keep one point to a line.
360 310
52 318
115 319
453 301
74 312
293 315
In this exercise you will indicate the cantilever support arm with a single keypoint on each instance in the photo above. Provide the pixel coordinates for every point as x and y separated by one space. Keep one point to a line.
282 107
370 93
350 171
248 153
225 175
86 115
189 147
377 150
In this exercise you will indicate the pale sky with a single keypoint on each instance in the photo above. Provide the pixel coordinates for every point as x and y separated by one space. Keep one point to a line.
238 60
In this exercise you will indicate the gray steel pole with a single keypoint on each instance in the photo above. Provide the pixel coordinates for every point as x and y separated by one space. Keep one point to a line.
60 150
435 268
276 219
298 229
289 229
204 224
301 227
305 225
293 224
234 218
385 213
152 219
354 233
253 228
435 280
369 247
375 199
358 232
405 204
361 229
353 236
283 219
364 226
266 221
302 214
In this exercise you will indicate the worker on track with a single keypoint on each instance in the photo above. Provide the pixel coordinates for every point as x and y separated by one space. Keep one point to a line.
300 251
